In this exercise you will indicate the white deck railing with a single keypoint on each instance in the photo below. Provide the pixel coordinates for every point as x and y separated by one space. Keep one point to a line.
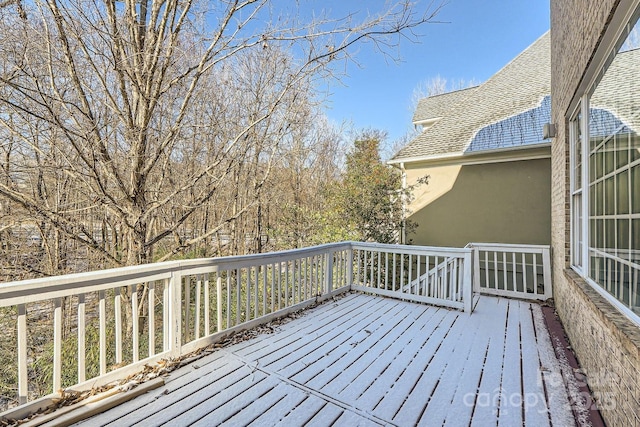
85 330
517 271
431 275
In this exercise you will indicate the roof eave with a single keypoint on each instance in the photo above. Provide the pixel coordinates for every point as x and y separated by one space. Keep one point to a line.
468 155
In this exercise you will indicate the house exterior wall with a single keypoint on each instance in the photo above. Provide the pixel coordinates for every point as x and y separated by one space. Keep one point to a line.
605 341
506 202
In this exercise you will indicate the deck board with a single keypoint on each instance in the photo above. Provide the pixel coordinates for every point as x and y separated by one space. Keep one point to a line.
368 360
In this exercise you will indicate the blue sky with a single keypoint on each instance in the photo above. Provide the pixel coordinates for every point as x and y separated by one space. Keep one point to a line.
477 40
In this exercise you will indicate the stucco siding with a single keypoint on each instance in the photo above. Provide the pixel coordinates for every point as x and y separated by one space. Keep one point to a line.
506 202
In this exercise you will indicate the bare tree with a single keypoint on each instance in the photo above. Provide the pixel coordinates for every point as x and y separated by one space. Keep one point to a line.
105 99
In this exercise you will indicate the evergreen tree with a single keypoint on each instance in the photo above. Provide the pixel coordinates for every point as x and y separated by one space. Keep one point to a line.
369 198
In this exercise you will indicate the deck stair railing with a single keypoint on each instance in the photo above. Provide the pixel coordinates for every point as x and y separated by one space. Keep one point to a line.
517 271
432 282
84 330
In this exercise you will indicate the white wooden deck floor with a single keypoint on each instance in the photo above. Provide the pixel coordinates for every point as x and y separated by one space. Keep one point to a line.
366 360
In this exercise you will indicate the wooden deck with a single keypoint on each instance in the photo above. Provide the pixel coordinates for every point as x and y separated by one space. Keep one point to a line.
366 360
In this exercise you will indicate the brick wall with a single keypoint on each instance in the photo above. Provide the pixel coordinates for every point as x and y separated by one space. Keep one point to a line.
606 343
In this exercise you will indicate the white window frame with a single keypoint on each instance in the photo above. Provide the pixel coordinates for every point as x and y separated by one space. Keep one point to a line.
580 242
579 250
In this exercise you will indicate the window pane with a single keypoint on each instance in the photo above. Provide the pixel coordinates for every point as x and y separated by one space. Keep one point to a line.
622 181
599 198
609 196
635 187
622 150
623 238
599 164
609 164
610 235
635 240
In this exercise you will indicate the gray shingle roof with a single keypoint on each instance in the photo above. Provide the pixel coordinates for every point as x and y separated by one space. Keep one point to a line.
435 106
518 88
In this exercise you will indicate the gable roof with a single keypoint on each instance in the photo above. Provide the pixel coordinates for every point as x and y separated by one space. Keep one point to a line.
513 94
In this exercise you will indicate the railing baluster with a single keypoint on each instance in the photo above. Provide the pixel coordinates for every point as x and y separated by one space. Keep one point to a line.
196 316
279 285
219 301
81 339
445 279
102 309
301 288
504 267
286 284
371 275
402 273
433 278
57 345
238 295
207 307
273 282
23 380
350 266
229 301
379 270
495 269
417 292
166 322
117 302
152 318
425 286
394 272
535 274
524 273
134 319
340 276
187 309
255 289
264 289
409 280
247 314
514 275
307 287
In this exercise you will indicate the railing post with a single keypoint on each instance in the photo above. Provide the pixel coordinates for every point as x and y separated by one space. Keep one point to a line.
467 285
546 271
175 313
328 276
476 269
350 266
